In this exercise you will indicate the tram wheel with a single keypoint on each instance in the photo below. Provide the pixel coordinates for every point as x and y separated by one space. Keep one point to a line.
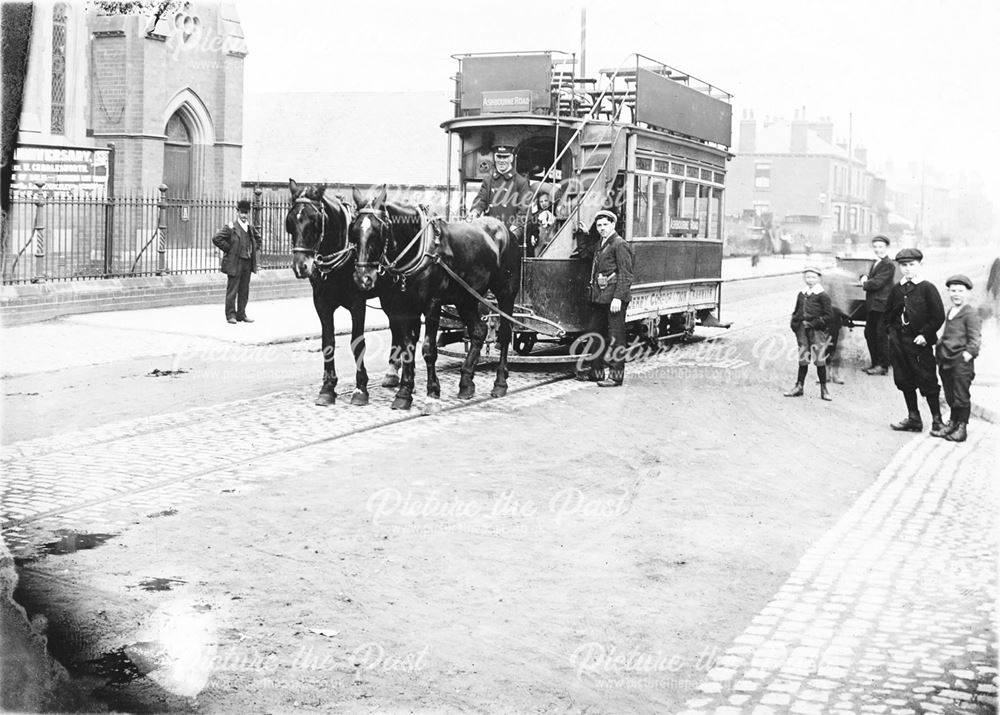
524 342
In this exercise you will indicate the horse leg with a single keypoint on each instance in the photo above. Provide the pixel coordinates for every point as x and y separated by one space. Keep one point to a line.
506 304
360 396
324 309
469 311
391 378
404 395
430 350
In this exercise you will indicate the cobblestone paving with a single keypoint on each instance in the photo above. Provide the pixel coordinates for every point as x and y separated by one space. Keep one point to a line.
103 479
892 610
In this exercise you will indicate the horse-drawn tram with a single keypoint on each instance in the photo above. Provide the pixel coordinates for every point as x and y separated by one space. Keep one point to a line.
645 140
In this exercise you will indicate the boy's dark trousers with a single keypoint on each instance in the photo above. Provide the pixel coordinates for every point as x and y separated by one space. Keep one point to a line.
957 380
611 327
877 338
238 291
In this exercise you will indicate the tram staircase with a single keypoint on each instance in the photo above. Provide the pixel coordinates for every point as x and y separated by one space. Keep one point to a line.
598 155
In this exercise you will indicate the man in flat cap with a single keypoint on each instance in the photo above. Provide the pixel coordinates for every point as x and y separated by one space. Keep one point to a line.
610 290
956 353
240 244
913 315
876 286
504 194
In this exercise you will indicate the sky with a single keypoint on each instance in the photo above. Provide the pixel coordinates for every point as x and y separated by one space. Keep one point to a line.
916 77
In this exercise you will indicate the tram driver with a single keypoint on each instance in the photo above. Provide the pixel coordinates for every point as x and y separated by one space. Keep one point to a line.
504 194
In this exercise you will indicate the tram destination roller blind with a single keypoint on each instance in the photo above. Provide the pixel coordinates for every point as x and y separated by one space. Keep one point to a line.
670 105
507 74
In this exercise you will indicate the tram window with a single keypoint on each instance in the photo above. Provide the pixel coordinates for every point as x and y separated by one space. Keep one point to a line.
715 215
658 205
640 207
675 198
704 209
688 203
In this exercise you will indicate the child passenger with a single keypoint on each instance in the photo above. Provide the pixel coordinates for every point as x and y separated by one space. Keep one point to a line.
956 355
811 320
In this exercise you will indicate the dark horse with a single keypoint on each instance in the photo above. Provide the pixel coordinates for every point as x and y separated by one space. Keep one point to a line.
419 258
320 252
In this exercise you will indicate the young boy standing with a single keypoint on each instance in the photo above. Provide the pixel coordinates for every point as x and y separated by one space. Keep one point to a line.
811 321
912 317
956 354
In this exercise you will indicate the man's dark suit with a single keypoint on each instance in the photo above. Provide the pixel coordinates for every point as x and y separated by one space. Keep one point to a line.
877 287
240 248
614 262
505 197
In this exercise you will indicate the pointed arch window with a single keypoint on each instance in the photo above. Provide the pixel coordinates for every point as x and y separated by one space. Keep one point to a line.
58 118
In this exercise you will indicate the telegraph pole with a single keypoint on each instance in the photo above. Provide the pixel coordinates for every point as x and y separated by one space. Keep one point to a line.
850 167
583 40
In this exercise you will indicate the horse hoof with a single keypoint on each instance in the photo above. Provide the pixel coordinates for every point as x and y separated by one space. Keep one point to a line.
499 391
402 403
432 406
359 398
325 399
467 393
390 381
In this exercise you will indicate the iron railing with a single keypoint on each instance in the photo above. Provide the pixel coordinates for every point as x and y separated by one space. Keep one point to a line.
60 238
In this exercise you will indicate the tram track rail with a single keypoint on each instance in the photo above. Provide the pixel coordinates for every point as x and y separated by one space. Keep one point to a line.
535 380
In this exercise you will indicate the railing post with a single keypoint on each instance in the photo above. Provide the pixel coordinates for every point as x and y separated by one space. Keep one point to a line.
109 215
161 232
38 235
256 212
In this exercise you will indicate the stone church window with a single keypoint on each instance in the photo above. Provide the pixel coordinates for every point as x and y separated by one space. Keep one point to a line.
58 119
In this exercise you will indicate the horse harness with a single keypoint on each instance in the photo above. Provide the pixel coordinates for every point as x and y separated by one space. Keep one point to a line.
425 256
327 263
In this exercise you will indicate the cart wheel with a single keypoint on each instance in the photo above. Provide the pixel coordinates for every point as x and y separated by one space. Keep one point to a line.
524 342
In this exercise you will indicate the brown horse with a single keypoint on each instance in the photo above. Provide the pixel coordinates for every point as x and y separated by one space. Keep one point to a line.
320 252
414 261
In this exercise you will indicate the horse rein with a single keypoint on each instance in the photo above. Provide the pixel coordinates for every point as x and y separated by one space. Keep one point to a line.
328 263
383 265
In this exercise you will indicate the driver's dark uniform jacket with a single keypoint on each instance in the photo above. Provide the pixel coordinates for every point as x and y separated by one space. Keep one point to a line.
611 276
504 197
914 308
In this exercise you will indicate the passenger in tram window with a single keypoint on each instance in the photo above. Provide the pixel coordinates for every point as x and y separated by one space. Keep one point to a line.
811 320
542 225
611 275
913 315
504 194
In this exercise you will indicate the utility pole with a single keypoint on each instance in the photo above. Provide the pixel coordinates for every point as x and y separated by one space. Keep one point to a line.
850 167
583 40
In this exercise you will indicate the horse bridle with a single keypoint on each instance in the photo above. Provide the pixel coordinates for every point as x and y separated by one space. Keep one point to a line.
382 264
329 262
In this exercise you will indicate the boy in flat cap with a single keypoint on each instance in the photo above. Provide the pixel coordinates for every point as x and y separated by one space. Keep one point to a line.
504 194
912 317
240 244
610 290
956 354
811 321
876 286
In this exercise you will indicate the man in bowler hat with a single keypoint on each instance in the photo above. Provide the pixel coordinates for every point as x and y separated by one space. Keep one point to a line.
913 315
610 290
240 244
876 286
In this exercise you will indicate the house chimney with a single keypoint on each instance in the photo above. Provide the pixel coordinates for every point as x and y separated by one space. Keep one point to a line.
824 128
748 135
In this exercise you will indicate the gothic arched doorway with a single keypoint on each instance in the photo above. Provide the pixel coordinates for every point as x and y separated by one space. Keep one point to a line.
178 164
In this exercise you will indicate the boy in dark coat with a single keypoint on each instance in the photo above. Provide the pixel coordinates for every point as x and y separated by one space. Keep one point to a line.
811 321
956 354
877 285
912 317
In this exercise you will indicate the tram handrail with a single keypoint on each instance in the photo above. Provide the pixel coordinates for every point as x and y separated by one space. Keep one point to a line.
579 204
586 119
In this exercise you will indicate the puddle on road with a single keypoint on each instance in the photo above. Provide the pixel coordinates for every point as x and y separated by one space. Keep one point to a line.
157 372
159 584
71 542
165 512
116 666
